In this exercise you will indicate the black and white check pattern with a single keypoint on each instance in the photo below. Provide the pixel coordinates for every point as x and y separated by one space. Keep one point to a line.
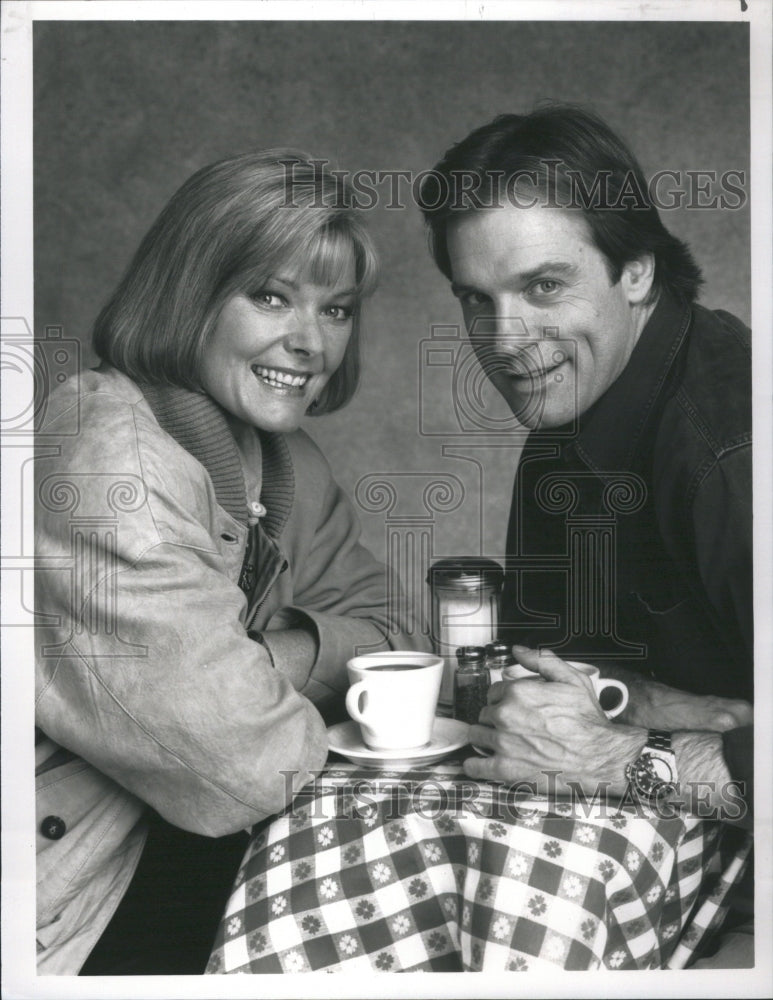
428 870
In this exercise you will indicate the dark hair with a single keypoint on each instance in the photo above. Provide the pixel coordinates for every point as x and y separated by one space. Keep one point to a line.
228 228
576 162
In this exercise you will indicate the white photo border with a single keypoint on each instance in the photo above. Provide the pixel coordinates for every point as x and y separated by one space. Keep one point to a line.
16 297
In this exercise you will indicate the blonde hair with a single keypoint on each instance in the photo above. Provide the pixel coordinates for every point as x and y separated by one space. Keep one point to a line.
227 229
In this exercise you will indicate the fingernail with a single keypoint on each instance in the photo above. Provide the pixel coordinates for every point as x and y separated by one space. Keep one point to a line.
520 649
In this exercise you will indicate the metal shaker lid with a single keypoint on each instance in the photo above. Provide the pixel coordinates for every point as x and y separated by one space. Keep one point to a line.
501 652
471 654
466 573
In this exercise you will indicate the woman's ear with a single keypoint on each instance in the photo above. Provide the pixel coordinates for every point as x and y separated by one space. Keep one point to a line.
637 278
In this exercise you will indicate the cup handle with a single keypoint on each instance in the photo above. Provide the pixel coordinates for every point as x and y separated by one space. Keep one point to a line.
607 682
353 700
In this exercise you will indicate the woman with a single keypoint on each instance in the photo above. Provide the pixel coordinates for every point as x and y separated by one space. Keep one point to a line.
202 584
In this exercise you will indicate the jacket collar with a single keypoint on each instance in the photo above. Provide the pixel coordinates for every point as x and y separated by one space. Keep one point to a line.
612 429
199 425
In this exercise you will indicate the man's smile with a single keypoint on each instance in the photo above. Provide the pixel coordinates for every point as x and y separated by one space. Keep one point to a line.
525 370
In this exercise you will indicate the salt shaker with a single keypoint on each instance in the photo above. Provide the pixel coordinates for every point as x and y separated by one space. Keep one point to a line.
471 683
465 611
498 656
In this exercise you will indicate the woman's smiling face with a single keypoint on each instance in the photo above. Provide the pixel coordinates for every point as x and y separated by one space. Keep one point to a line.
272 352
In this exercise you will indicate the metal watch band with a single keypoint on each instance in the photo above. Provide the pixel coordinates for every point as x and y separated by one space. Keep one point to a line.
643 773
659 739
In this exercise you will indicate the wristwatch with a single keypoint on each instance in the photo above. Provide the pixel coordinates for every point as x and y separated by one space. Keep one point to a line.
653 776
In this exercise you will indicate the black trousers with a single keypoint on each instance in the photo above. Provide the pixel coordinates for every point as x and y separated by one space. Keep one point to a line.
166 922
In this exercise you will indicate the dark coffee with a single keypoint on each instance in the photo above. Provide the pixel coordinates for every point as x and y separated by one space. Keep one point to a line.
398 666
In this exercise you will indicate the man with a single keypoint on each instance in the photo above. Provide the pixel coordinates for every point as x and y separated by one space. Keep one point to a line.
629 542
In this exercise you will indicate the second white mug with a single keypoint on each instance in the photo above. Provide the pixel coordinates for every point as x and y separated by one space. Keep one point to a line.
601 685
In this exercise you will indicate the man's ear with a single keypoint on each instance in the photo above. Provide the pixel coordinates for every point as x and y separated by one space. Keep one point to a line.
637 278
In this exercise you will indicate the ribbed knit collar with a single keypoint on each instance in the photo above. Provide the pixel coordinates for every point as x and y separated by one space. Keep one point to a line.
199 425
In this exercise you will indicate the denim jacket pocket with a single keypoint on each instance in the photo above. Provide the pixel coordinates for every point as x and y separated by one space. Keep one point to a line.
684 644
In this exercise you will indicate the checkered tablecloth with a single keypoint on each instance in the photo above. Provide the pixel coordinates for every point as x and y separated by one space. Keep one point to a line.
429 870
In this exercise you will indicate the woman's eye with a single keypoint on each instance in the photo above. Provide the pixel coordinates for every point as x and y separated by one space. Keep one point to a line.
272 300
340 313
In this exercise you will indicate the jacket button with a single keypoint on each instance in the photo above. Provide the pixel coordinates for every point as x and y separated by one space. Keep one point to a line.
53 828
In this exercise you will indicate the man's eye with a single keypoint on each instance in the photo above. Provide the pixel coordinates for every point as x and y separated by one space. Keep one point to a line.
474 300
547 286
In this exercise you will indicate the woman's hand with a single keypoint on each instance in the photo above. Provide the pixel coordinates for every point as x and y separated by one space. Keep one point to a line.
551 725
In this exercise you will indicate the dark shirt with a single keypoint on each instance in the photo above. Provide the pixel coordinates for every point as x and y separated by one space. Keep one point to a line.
630 536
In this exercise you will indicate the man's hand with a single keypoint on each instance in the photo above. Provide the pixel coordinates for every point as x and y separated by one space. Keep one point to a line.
548 731
535 728
657 706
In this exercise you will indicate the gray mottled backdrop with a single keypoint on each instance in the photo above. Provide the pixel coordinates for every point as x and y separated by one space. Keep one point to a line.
124 112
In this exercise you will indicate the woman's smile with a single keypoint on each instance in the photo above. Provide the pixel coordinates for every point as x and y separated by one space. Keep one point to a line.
272 352
282 380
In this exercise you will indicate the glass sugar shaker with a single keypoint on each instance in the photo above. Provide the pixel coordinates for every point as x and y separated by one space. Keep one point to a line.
465 595
471 683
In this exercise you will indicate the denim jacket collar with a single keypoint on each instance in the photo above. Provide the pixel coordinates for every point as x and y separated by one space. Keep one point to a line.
611 431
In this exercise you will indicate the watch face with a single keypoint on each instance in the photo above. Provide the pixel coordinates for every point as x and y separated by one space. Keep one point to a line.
651 777
661 767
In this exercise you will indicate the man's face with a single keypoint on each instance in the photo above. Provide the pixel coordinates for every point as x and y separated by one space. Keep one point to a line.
549 328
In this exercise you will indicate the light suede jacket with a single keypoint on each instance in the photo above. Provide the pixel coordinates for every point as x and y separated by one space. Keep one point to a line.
149 688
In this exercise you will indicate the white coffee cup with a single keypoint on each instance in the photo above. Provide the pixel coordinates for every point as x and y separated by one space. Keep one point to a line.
600 684
393 697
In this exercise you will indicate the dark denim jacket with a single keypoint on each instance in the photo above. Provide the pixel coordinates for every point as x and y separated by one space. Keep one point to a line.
630 535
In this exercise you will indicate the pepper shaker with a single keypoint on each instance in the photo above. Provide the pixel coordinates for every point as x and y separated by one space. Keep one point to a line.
471 683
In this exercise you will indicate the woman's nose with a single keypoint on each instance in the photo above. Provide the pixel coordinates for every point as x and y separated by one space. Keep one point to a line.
305 336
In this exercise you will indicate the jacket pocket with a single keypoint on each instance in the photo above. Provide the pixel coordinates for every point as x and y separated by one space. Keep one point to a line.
685 647
83 820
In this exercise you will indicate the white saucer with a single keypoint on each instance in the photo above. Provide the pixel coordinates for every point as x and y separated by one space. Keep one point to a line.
447 735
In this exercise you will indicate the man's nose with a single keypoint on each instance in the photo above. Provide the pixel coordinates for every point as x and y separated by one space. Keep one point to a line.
505 332
513 333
